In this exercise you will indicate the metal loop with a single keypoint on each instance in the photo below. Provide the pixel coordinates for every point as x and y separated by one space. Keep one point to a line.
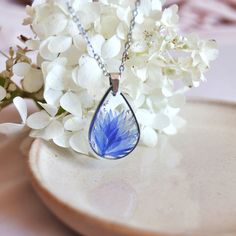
114 82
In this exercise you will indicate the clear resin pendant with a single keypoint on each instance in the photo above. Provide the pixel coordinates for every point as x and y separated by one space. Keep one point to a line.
114 130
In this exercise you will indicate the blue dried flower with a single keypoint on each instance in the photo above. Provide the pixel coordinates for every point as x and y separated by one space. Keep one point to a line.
115 134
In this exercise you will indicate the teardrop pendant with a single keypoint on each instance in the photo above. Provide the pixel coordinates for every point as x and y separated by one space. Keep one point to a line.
114 131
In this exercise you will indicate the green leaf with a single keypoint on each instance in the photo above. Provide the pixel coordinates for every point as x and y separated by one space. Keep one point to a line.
60 111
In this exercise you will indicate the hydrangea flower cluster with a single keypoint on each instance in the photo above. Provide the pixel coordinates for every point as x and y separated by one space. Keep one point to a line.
67 83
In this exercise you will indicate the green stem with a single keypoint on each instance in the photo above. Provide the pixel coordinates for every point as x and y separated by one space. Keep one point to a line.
19 93
5 55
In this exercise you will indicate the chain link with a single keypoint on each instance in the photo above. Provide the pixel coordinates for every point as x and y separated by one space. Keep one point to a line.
129 37
94 54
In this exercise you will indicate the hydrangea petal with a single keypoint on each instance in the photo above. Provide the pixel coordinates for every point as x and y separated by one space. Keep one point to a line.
89 76
88 13
149 137
160 121
144 117
44 51
59 44
79 143
145 7
72 54
71 103
38 120
111 48
122 31
79 42
113 64
52 96
86 100
107 25
142 74
209 51
56 78
21 107
3 93
123 14
157 5
63 139
139 46
50 109
178 122
97 41
33 81
21 68
54 129
74 124
170 16
32 44
11 128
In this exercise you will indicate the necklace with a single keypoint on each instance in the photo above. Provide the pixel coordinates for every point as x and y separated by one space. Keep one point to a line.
114 131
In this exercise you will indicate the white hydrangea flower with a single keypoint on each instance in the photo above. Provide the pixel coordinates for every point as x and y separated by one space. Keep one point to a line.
73 82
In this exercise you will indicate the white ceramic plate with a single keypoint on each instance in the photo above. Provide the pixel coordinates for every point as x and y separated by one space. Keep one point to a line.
185 186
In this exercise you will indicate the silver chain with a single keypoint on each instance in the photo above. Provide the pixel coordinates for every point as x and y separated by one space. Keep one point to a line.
95 55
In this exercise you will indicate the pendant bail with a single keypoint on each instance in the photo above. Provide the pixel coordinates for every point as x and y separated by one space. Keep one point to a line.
114 82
